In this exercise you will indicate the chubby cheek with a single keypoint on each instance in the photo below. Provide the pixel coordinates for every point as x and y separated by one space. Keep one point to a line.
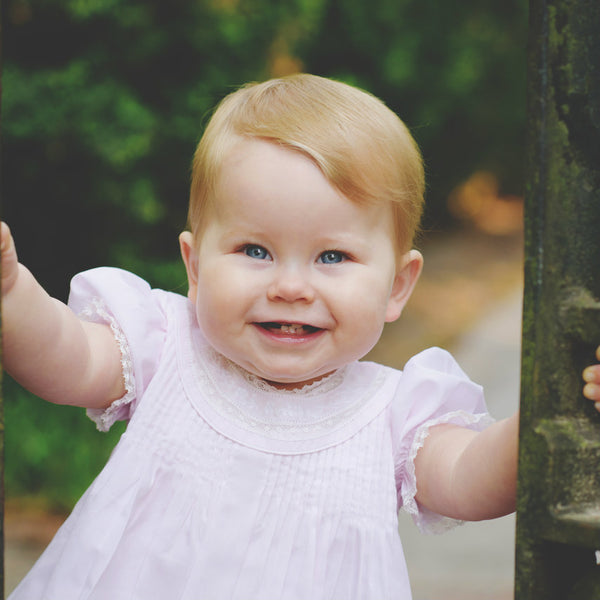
368 331
362 315
216 300
223 300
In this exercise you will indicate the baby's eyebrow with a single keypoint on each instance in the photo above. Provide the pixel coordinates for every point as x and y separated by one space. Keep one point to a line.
338 240
240 235
344 239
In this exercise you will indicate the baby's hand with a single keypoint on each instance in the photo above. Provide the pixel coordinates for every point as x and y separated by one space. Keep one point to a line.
591 375
10 266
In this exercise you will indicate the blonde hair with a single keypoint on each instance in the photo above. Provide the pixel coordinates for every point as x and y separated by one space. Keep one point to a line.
363 149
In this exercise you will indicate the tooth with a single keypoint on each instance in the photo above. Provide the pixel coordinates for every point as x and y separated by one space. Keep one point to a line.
292 328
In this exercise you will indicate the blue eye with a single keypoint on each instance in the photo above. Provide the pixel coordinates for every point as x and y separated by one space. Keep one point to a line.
257 252
332 257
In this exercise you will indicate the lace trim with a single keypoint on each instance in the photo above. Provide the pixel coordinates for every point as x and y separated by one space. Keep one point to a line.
322 385
97 312
426 520
277 413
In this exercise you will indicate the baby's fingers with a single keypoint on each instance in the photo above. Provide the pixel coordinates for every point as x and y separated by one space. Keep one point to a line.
9 259
591 375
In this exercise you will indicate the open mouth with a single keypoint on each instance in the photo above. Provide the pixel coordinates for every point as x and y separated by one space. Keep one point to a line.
289 328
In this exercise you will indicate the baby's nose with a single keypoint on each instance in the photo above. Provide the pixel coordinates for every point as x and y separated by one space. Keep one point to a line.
291 284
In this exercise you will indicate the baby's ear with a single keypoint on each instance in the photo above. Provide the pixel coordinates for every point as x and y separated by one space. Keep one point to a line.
190 260
408 272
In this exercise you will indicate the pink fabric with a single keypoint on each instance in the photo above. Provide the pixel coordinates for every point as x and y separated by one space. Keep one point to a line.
224 488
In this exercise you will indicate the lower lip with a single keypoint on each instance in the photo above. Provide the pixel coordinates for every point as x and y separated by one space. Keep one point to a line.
289 338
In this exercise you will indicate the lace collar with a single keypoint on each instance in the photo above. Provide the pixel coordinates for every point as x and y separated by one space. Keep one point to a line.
320 386
238 399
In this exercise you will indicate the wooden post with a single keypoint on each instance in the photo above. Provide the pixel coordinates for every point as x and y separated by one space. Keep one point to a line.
558 515
1 387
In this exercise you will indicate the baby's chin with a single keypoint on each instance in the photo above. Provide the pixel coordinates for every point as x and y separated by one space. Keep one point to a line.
284 376
287 381
295 385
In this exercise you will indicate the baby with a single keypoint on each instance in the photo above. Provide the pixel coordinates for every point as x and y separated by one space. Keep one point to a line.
261 458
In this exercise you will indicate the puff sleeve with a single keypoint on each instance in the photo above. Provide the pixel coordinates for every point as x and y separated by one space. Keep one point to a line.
135 314
433 390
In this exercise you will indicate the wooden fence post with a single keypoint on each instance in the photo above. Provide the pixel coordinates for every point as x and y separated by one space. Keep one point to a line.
558 517
1 379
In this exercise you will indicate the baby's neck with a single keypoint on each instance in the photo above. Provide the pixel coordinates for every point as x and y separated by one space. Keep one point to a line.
297 385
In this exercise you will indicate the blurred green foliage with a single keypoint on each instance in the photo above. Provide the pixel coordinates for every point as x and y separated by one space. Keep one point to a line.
52 452
104 101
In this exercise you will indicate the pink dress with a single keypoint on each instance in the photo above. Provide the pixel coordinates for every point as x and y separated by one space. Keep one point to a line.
223 487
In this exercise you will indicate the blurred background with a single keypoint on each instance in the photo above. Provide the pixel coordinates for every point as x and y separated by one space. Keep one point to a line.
104 101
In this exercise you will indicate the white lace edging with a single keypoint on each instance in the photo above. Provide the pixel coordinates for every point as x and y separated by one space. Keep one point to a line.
285 419
97 312
324 384
426 520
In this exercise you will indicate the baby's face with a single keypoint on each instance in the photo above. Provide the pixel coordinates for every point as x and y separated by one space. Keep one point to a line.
291 280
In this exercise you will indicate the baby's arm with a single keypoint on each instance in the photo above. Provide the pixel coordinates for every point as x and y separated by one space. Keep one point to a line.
47 348
473 475
469 475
